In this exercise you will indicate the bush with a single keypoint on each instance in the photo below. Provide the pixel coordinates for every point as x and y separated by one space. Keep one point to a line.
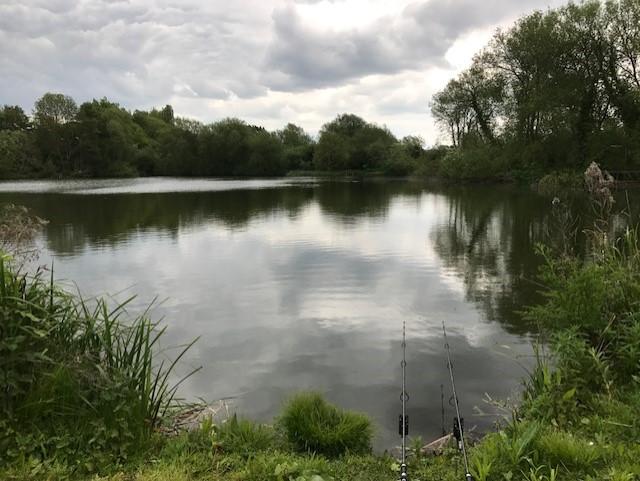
474 163
558 183
313 425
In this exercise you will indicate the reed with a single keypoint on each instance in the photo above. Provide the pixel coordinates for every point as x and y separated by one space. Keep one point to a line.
78 381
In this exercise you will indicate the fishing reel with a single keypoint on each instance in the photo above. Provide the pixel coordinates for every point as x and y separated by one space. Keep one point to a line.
458 430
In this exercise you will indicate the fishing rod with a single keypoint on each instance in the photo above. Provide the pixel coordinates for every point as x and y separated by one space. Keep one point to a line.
458 423
403 421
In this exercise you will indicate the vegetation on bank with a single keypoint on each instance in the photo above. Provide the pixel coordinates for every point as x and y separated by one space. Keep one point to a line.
580 412
557 90
102 139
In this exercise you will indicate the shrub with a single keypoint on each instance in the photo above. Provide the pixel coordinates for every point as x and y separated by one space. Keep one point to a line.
558 183
475 163
313 425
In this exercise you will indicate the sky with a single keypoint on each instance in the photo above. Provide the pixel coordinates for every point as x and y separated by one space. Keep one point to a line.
268 62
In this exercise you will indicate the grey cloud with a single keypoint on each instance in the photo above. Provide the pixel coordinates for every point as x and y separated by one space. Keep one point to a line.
136 53
301 57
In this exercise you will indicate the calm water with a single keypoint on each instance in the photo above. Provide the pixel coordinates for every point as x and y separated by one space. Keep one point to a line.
301 284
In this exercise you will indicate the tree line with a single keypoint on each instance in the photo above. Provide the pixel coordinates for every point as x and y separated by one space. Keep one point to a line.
557 90
102 139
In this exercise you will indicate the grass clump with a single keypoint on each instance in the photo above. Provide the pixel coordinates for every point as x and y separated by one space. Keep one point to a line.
243 436
313 425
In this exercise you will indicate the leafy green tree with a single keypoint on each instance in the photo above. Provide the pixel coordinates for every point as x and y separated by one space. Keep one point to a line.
110 142
298 147
18 155
54 108
413 145
223 148
350 143
12 117
267 157
559 89
332 152
190 125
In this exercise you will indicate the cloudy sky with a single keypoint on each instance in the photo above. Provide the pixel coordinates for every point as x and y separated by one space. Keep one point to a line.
266 61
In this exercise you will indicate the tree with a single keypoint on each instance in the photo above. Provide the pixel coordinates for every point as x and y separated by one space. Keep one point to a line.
332 152
18 156
12 117
451 111
413 145
189 125
298 147
358 144
110 142
54 109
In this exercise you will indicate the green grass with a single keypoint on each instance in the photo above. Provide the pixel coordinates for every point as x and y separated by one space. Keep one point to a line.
313 425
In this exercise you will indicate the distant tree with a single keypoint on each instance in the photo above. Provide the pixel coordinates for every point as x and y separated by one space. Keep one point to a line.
18 155
345 124
56 109
12 117
223 148
190 125
294 136
165 114
110 142
266 156
332 152
298 147
350 143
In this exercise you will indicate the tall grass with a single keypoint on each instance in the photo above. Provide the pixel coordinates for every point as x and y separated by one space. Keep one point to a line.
79 385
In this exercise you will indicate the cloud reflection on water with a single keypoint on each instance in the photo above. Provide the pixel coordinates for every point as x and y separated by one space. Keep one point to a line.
305 286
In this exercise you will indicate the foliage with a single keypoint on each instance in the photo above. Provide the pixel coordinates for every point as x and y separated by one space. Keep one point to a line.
477 163
313 425
12 117
80 387
556 184
351 143
555 91
17 155
54 109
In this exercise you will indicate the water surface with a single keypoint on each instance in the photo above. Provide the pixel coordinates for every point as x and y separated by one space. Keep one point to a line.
304 284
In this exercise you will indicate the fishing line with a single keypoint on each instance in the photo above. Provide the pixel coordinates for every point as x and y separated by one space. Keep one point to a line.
459 422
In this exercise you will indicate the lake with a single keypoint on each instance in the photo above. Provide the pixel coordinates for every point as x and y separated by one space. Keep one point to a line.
296 284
